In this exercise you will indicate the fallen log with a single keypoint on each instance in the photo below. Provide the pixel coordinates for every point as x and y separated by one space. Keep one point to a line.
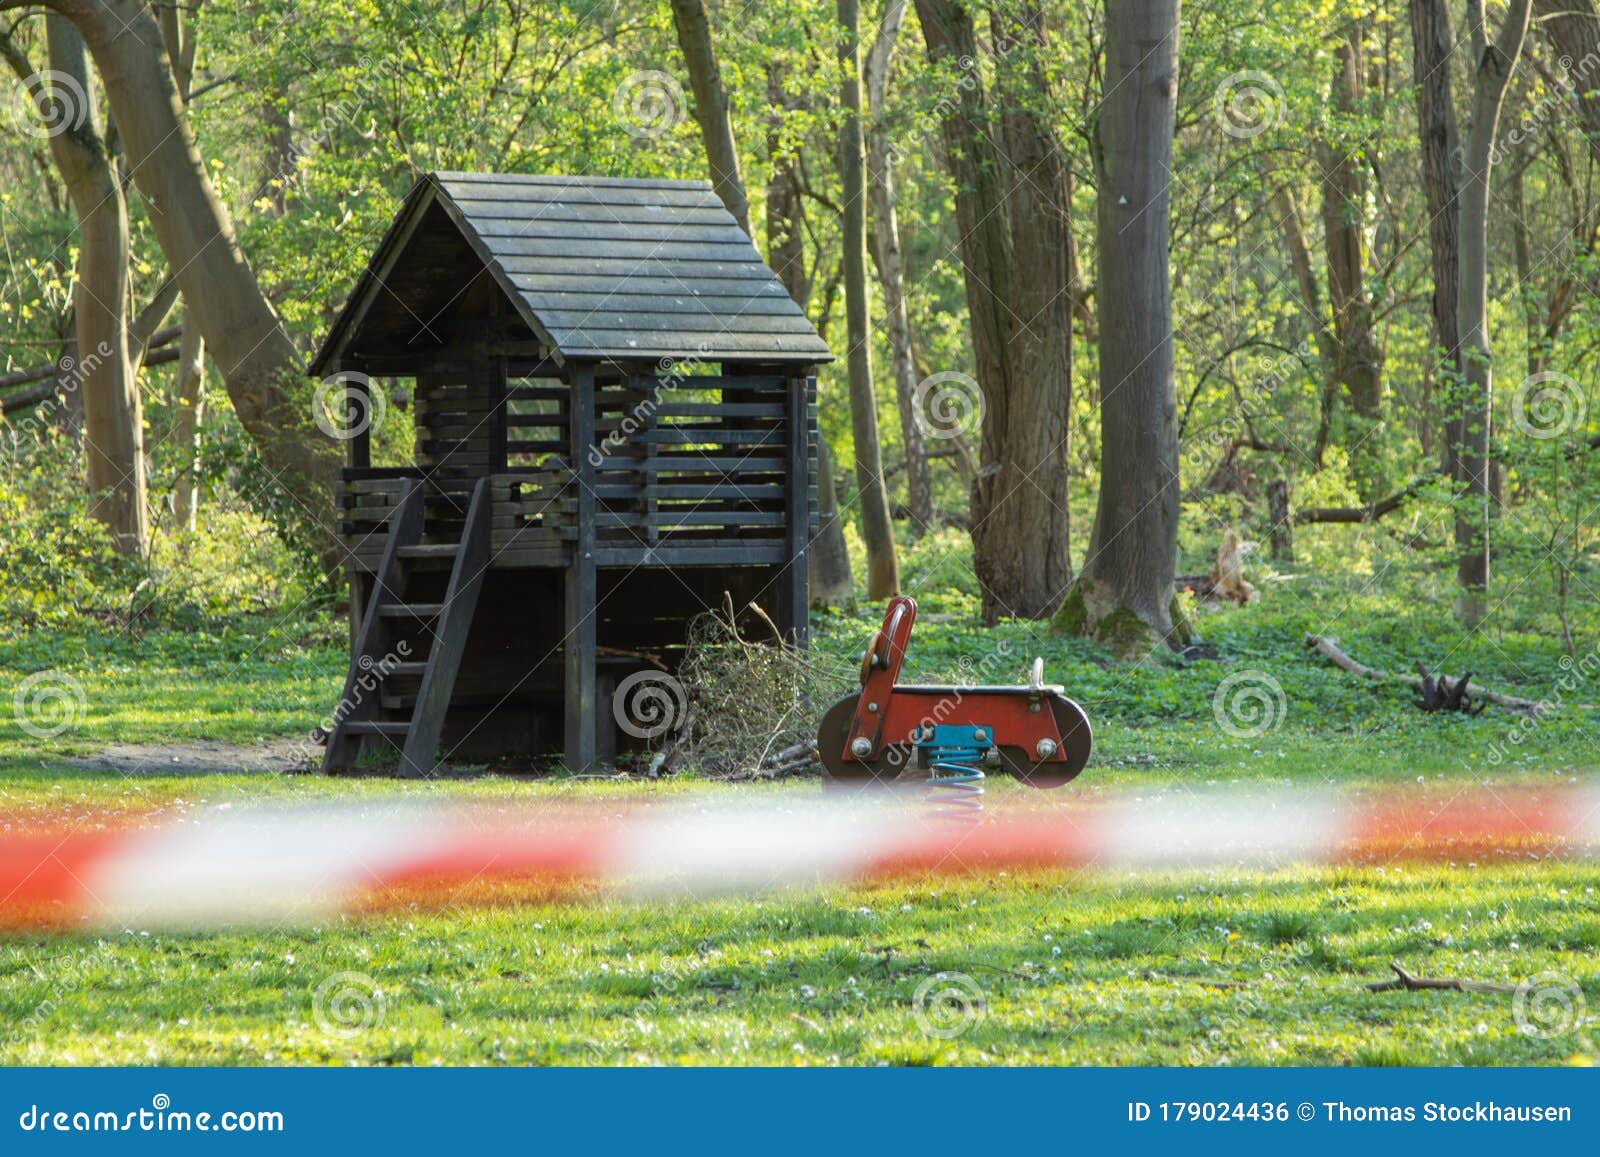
1405 982
1369 513
1328 647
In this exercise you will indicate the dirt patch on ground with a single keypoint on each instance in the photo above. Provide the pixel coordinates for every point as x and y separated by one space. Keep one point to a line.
203 757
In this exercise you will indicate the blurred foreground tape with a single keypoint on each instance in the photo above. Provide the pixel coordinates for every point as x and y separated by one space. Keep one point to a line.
239 865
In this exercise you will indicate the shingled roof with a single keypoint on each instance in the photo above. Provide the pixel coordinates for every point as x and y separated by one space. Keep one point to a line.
598 267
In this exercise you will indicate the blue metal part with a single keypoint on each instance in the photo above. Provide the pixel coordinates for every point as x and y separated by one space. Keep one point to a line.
953 756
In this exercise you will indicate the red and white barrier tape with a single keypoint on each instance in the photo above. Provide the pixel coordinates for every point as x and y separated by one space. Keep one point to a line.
243 865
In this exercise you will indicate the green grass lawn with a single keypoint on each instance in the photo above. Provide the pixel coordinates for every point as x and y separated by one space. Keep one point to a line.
1199 967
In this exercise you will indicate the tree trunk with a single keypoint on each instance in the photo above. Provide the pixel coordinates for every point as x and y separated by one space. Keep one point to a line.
883 572
831 583
1432 41
191 420
1293 226
1495 63
113 418
891 267
1574 29
1124 597
1021 529
1280 515
711 106
253 352
1018 276
1359 366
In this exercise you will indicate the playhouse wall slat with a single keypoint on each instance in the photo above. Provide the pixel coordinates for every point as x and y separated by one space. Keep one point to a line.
773 410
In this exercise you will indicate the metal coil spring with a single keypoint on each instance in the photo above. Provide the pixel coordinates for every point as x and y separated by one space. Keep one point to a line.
955 781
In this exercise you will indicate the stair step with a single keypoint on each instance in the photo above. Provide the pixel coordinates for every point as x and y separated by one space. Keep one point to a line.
376 727
407 701
430 550
407 668
411 610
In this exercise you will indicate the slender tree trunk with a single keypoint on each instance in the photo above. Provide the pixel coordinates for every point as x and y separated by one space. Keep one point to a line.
1018 278
891 266
191 420
1124 596
1496 62
253 352
1432 41
883 572
1292 224
113 419
1359 366
831 583
711 106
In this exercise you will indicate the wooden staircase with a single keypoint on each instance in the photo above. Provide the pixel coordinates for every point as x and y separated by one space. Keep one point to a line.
394 703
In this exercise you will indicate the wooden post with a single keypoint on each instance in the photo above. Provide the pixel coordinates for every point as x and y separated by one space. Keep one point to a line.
793 589
582 706
361 443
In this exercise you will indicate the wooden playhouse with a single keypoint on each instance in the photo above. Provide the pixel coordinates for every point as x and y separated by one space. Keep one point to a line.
614 410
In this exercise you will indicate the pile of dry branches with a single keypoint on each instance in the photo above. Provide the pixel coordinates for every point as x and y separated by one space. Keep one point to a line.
753 699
